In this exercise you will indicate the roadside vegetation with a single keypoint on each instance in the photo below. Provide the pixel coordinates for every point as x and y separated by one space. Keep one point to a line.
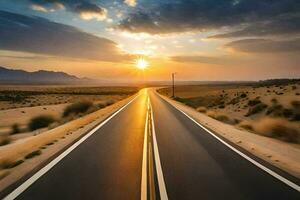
270 108
44 130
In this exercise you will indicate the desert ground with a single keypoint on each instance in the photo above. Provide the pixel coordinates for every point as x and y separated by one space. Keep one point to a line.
269 108
20 104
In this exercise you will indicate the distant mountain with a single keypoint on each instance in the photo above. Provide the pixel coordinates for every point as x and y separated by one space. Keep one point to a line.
11 76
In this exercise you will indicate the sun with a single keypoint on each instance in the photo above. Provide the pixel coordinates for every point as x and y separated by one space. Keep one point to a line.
141 63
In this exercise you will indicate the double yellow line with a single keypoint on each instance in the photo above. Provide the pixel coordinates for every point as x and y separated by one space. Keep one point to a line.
151 166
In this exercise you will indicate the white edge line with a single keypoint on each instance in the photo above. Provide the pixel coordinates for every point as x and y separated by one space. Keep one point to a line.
269 171
160 176
144 162
14 194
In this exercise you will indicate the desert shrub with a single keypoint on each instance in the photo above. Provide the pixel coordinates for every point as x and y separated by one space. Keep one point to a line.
76 108
211 113
201 109
246 125
256 109
275 110
294 87
243 95
7 164
33 154
295 104
221 106
41 121
110 102
274 101
221 117
254 102
182 100
101 105
278 128
4 140
15 128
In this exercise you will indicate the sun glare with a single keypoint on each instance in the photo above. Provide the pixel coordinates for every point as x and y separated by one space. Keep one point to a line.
141 63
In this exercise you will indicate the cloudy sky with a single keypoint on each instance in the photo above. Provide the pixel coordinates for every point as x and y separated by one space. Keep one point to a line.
197 39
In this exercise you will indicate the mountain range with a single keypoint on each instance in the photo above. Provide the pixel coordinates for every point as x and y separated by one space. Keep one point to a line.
12 76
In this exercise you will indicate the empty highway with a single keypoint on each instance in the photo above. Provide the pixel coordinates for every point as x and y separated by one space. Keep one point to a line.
151 150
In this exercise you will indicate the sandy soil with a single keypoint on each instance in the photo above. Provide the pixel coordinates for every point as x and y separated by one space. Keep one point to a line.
281 154
18 96
24 114
211 96
53 141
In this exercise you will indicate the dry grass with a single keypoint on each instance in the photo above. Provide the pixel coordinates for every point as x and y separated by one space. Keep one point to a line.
19 104
246 125
201 109
221 117
29 96
278 128
4 140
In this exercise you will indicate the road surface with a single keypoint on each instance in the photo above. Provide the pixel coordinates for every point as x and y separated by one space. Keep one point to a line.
176 158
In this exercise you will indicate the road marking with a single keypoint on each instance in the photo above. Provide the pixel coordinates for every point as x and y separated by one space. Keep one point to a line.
144 162
269 171
14 194
160 176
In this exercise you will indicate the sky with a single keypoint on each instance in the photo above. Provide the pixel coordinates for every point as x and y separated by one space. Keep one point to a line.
199 40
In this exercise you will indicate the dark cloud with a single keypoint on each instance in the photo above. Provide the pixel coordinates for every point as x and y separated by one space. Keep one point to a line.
277 27
89 11
170 16
41 36
265 45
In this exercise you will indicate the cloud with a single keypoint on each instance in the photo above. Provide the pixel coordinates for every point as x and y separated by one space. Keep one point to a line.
85 9
165 17
90 11
41 36
221 60
277 27
39 8
265 45
131 3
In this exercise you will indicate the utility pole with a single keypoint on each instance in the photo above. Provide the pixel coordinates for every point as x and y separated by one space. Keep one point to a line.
173 85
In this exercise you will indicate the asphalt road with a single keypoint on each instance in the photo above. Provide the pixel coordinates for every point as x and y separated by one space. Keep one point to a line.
108 165
197 166
105 166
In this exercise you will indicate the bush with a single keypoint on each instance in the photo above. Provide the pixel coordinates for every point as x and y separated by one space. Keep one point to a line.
253 102
15 128
11 164
256 109
246 125
4 140
295 104
33 154
278 128
243 95
201 109
222 118
41 121
274 101
234 101
76 108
